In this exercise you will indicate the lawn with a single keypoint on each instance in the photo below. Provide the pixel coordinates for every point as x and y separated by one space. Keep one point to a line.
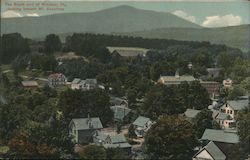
4 149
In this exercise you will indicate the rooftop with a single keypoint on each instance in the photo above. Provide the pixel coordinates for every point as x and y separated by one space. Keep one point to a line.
239 104
87 123
119 138
191 113
141 121
119 145
176 79
29 83
76 81
128 51
220 136
120 111
213 150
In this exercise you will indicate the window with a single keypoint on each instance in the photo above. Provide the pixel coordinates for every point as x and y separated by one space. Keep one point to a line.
231 112
227 111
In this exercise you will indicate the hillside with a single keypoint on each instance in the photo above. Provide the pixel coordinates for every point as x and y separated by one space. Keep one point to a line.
235 36
118 19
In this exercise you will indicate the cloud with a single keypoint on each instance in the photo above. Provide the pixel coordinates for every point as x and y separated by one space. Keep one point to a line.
184 15
32 15
222 21
10 14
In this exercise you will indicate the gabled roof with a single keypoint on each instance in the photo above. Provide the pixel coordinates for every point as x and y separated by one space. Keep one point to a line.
191 113
120 111
56 76
220 136
222 116
128 51
213 150
101 136
117 101
29 83
177 79
141 121
91 81
238 104
119 138
119 145
87 123
76 81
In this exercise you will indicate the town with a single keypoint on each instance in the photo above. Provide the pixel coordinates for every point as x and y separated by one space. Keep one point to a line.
93 97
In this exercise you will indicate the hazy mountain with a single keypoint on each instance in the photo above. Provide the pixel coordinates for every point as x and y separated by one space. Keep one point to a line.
235 36
118 19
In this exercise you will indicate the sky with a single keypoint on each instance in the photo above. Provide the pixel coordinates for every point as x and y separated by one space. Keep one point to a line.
207 13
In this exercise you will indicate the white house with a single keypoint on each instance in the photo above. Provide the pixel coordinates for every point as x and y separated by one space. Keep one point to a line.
142 125
83 129
210 152
57 79
224 120
86 84
232 107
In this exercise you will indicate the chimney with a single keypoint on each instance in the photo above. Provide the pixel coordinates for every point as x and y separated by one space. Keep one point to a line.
177 76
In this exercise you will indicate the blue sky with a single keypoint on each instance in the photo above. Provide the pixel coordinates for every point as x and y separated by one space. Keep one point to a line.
208 13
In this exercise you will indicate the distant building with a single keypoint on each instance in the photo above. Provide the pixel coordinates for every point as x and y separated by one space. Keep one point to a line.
224 139
224 120
222 136
232 107
175 80
227 83
116 101
142 125
213 72
128 51
30 84
83 129
120 112
210 152
190 114
86 84
213 88
112 141
57 79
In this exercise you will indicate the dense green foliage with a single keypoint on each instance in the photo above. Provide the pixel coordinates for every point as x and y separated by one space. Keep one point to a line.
169 100
170 138
12 46
52 44
77 103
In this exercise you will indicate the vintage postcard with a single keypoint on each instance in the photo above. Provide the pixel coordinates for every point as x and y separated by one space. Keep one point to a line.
125 79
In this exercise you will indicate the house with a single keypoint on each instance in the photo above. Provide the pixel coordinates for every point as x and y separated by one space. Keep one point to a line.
213 72
75 84
227 83
213 88
116 101
232 107
83 129
222 136
128 51
210 152
175 80
142 125
30 84
224 139
120 112
224 120
112 141
190 114
57 79
86 84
